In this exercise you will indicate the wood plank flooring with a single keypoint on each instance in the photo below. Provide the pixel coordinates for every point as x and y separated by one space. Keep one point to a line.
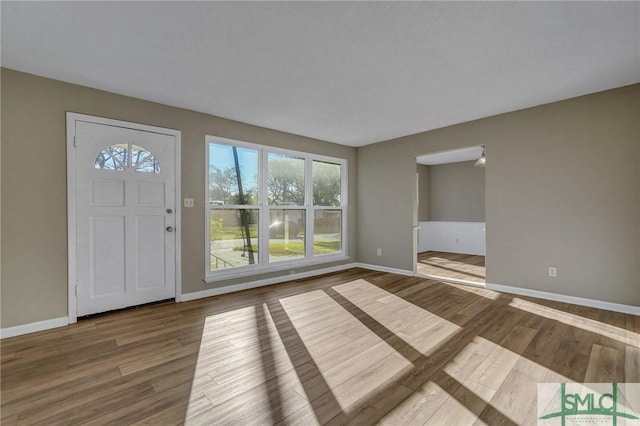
466 267
354 347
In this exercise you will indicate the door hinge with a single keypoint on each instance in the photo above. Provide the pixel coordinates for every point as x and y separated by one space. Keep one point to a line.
74 141
76 290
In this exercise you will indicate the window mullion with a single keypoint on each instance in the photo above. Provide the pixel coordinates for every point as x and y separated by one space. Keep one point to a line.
264 208
308 202
343 205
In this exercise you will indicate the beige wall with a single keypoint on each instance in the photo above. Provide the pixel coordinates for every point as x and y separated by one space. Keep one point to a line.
456 192
424 192
562 189
34 191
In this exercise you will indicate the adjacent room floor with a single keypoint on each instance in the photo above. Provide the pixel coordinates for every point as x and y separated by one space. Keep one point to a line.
465 267
355 346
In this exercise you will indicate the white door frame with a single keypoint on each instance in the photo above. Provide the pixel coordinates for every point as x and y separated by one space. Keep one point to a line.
72 117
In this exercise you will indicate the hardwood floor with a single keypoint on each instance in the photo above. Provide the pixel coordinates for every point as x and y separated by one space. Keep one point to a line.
452 265
356 347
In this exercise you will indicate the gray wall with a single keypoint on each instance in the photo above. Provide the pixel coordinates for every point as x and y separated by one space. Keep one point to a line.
424 192
456 192
34 185
562 189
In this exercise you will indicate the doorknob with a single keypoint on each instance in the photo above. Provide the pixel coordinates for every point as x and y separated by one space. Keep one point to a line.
169 228
169 211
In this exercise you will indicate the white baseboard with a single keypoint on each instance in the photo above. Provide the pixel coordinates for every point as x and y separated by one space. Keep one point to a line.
383 269
261 283
33 327
592 303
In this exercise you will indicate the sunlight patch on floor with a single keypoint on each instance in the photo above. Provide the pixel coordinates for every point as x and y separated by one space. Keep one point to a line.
498 375
620 334
465 362
319 354
458 409
352 360
414 325
242 361
417 407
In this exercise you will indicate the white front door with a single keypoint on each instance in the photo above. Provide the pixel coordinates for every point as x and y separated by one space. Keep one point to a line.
125 216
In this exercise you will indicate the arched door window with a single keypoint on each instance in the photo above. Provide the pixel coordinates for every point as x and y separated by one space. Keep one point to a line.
121 156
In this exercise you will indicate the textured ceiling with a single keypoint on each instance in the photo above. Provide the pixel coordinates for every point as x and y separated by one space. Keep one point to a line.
348 72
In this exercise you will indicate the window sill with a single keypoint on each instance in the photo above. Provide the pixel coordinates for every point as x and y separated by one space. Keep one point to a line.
224 275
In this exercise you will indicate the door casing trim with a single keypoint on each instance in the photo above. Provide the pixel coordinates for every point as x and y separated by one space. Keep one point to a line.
72 117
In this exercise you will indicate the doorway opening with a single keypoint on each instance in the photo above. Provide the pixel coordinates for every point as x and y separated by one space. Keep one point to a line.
450 211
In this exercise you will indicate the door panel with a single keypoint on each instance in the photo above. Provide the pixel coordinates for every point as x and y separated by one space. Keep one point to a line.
151 242
107 255
125 204
107 193
151 194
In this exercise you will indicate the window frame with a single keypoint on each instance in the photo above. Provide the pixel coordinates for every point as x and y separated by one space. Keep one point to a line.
263 207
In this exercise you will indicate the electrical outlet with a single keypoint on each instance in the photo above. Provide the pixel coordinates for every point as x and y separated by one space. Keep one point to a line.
552 271
379 252
188 202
